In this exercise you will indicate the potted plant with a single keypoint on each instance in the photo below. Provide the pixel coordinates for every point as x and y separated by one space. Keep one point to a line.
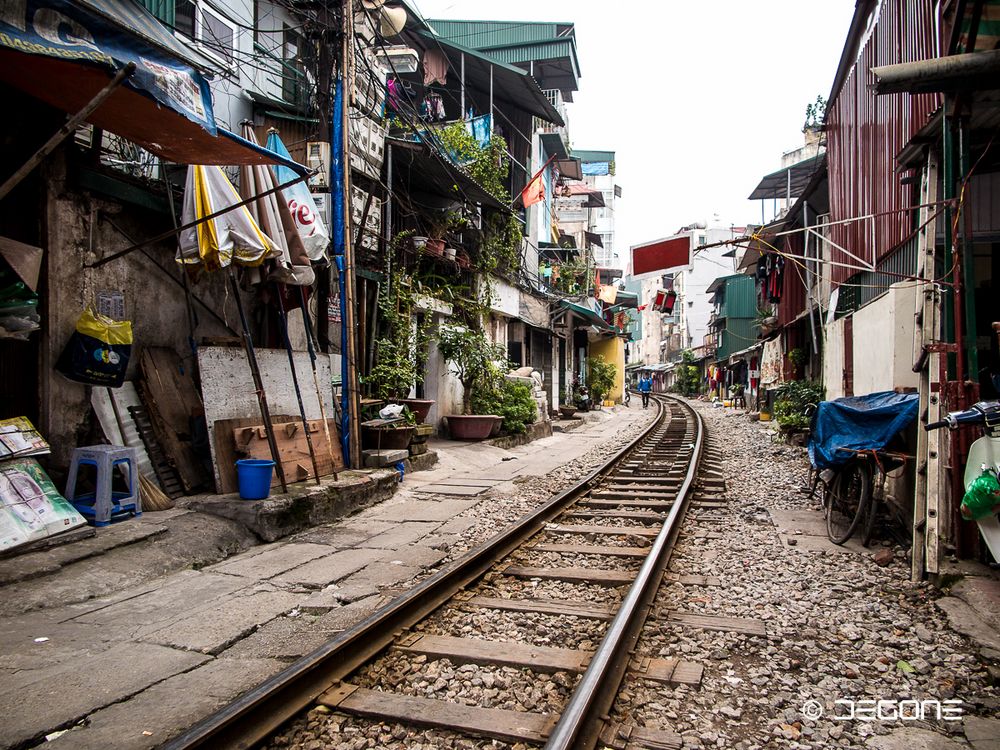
601 376
474 358
401 351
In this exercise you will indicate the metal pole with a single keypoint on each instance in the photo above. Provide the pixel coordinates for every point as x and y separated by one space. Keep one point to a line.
307 321
968 259
463 85
350 384
66 130
258 382
295 379
491 100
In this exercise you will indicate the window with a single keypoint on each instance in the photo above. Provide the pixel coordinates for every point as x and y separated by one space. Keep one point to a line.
199 21
292 76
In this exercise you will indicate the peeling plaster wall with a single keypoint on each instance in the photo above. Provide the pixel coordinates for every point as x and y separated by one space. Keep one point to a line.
153 303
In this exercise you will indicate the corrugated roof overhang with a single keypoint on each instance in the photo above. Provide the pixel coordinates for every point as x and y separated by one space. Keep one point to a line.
423 170
788 182
510 84
586 313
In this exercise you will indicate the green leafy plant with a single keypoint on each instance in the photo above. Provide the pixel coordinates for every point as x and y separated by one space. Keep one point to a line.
600 377
401 350
792 400
797 357
475 359
511 400
687 382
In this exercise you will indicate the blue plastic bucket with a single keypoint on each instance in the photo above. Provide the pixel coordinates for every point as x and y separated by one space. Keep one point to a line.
255 478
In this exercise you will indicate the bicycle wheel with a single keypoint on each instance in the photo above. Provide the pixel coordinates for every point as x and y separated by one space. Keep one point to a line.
848 500
868 525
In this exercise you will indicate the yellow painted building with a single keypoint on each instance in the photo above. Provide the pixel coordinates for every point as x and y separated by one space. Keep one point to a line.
613 350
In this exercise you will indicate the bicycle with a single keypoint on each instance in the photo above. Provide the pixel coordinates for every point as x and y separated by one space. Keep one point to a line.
854 496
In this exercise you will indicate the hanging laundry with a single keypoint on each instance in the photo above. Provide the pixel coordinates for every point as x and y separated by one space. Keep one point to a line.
393 92
435 67
432 108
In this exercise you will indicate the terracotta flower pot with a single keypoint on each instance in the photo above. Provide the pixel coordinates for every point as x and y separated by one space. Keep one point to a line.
386 438
435 247
419 406
471 426
497 425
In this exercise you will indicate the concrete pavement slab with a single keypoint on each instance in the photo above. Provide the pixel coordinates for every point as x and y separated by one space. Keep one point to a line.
283 638
85 685
416 556
401 534
175 597
348 615
233 618
912 738
964 619
271 562
329 569
449 489
983 734
169 707
381 574
424 510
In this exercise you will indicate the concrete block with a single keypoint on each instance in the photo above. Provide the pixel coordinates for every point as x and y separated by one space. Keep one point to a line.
85 685
235 617
328 569
421 463
348 615
306 505
567 425
284 638
374 459
166 709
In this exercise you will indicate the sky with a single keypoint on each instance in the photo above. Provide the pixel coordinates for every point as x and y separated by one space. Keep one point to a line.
698 100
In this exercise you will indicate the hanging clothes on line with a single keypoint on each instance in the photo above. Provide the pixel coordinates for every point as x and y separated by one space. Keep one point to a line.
432 108
435 67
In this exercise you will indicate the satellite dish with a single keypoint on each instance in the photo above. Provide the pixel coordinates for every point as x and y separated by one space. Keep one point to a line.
393 21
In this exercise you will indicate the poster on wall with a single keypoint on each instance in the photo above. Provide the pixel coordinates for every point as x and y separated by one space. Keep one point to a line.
31 507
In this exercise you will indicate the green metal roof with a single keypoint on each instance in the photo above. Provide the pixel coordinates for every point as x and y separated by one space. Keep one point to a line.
593 156
514 42
484 34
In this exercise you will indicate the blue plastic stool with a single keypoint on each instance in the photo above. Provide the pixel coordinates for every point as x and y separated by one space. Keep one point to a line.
104 506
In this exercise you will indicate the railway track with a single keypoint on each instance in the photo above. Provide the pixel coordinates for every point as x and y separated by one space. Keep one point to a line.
594 556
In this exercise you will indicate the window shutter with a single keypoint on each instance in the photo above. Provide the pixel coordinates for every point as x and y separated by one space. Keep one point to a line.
162 9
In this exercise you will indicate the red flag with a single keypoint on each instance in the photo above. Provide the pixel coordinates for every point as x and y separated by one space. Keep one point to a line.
534 191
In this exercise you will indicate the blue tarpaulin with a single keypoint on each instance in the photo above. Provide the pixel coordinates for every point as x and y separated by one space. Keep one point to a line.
858 423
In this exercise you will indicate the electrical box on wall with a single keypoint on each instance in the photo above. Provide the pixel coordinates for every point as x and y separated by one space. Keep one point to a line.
318 159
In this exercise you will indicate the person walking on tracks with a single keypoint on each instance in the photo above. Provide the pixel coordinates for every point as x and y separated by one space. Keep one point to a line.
645 386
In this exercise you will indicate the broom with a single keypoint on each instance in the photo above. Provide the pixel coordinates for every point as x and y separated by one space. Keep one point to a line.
151 496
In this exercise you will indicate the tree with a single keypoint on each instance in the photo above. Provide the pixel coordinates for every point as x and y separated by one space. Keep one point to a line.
688 383
473 356
815 114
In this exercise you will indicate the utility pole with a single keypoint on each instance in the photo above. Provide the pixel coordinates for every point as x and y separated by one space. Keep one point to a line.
349 369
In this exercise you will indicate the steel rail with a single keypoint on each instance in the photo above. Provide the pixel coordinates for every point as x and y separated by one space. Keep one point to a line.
583 718
258 713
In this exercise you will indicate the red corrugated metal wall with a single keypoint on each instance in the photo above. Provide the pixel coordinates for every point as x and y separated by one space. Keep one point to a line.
793 291
865 133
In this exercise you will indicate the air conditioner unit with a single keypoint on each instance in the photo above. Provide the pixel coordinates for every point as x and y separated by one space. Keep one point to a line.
318 160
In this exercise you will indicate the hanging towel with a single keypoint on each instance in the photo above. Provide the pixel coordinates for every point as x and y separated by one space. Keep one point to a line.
435 67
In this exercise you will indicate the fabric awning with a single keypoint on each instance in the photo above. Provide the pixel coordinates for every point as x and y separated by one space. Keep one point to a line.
64 52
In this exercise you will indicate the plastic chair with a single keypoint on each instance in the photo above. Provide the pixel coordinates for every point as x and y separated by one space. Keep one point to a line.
103 506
